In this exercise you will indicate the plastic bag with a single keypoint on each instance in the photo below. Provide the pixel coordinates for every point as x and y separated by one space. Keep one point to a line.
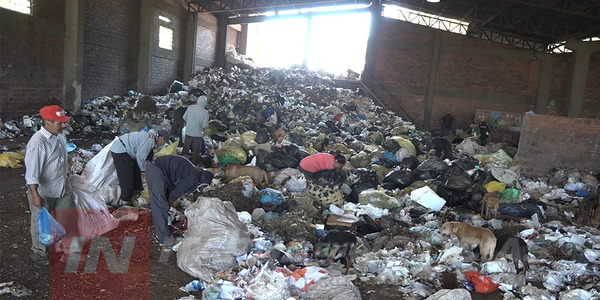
296 184
169 150
510 196
482 283
400 179
50 231
11 160
271 195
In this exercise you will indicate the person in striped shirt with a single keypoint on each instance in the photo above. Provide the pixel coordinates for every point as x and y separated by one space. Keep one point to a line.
46 175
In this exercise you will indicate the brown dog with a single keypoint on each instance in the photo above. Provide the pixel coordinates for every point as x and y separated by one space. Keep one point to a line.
472 235
258 175
489 203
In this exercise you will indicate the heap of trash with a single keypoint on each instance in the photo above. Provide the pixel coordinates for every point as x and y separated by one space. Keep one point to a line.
380 224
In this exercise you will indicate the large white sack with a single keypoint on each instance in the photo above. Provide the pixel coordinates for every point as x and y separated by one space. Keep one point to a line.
92 190
470 147
215 238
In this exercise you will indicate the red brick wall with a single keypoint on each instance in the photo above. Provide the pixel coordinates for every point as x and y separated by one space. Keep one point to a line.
471 74
556 141
31 60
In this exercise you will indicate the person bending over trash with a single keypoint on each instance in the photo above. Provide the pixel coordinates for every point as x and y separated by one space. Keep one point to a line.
196 119
46 175
442 147
312 166
130 154
168 177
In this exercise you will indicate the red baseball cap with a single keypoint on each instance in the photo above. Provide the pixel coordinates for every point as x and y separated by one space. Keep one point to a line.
55 113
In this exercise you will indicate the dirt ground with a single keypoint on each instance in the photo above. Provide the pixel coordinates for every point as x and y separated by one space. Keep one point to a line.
165 278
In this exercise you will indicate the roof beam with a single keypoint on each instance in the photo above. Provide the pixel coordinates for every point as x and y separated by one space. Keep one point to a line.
565 7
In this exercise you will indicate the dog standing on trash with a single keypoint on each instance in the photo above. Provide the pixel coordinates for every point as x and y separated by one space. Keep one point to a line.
489 203
473 235
258 175
518 249
342 244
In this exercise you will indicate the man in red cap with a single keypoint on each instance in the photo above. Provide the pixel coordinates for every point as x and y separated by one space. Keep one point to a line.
46 172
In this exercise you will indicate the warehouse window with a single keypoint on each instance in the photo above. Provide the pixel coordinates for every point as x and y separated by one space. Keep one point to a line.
22 6
165 34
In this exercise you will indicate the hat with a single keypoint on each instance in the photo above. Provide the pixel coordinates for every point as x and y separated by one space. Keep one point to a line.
163 133
54 113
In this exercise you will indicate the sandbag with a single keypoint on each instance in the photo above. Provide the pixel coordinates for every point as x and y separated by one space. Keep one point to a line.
333 288
401 178
215 238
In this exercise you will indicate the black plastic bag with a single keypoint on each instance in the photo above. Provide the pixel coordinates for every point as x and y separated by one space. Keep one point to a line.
427 175
262 136
334 177
466 162
455 178
479 176
366 176
409 163
432 164
391 145
400 178
359 188
453 198
366 225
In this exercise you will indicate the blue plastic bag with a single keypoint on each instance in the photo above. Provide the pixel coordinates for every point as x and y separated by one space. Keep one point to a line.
271 195
50 231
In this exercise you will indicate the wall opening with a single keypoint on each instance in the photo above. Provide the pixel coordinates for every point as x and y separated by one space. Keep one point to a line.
165 34
22 6
333 44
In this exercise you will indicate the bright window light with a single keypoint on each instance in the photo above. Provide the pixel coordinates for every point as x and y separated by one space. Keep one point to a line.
165 38
337 42
22 6
425 19
162 18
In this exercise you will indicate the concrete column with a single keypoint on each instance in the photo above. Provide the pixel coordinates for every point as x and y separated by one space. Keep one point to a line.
243 39
145 54
309 20
73 54
543 91
437 44
189 63
583 51
372 42
221 41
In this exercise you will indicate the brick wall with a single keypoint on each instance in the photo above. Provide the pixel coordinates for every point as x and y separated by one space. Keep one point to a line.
167 65
206 38
31 60
111 47
471 74
555 141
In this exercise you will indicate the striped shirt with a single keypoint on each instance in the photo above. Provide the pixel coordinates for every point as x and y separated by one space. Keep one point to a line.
46 164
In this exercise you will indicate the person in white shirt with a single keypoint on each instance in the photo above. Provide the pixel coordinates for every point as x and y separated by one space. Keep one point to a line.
46 175
196 119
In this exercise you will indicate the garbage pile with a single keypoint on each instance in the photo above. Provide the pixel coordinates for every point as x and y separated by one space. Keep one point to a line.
377 223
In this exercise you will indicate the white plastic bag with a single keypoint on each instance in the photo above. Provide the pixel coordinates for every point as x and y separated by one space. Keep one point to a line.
296 184
215 238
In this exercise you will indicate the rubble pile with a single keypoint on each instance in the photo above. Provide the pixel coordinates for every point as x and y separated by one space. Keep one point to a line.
381 224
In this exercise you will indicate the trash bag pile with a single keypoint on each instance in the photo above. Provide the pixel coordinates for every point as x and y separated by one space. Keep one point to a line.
377 222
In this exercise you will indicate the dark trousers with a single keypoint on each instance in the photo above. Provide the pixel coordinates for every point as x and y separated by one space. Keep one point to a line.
196 144
129 174
159 204
177 130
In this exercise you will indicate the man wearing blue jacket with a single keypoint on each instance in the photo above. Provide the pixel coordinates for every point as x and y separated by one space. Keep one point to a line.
130 153
168 177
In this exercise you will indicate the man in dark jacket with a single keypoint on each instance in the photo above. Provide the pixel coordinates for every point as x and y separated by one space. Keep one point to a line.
168 177
442 147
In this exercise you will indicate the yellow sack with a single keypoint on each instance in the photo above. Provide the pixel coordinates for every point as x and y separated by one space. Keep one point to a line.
495 186
169 150
11 160
237 152
405 143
